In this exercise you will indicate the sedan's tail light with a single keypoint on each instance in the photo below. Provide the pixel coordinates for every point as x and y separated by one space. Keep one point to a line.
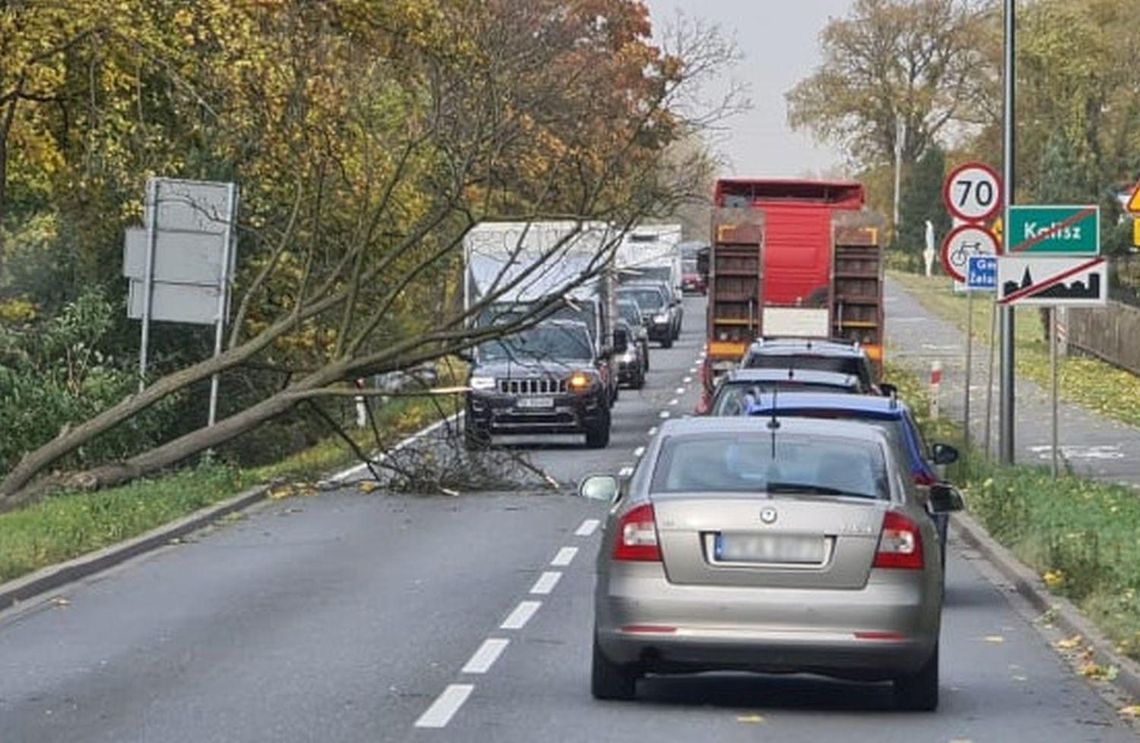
636 538
900 543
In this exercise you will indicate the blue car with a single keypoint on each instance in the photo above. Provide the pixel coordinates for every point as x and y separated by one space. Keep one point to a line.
889 413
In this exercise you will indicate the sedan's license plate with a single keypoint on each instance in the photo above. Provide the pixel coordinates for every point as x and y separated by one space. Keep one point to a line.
535 403
769 548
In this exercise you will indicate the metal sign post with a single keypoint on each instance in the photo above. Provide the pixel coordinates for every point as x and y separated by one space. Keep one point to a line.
148 278
990 377
1008 378
223 297
1053 384
981 275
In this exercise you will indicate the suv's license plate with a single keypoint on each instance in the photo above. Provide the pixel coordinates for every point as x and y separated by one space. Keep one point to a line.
769 548
531 403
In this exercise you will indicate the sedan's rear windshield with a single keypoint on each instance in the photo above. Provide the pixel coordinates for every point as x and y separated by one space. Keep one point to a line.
735 398
650 299
747 463
841 364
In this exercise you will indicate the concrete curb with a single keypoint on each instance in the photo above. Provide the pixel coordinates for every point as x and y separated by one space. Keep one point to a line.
1066 616
54 576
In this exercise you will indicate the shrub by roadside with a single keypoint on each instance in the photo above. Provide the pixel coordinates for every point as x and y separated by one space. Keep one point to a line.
1079 534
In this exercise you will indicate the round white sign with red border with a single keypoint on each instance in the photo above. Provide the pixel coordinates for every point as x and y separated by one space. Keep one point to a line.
962 242
973 192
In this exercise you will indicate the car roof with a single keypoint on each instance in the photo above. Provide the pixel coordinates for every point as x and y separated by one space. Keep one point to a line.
802 426
771 374
799 346
873 406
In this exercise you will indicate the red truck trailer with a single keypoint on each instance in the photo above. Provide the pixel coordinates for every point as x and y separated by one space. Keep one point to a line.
791 258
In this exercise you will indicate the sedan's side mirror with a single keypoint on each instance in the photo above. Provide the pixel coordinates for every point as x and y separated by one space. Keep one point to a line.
945 498
599 487
944 454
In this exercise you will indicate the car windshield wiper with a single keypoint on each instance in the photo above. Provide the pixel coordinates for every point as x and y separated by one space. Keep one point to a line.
800 487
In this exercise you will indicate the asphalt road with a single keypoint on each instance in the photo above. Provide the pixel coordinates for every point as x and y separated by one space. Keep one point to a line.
369 617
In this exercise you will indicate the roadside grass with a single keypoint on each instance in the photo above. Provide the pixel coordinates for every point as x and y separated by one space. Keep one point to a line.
1080 535
68 524
1086 381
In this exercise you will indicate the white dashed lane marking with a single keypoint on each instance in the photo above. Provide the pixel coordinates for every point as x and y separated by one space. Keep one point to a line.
564 557
522 613
639 451
486 655
445 706
679 390
664 414
653 431
687 380
546 582
587 528
674 401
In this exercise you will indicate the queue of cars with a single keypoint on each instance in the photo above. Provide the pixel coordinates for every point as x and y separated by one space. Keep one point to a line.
797 524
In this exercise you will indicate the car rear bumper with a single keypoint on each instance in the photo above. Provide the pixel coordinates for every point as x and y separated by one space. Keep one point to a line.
887 628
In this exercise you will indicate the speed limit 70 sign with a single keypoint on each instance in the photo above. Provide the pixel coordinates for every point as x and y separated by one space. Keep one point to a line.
972 192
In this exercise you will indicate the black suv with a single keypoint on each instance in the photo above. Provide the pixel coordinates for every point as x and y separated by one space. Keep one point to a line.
544 380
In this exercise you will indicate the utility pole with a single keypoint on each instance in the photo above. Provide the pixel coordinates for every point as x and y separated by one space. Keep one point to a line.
1007 381
900 143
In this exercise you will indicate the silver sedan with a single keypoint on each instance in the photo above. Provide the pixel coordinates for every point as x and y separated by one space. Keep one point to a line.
775 546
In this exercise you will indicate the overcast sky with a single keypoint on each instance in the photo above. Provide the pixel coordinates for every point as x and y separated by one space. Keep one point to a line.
779 44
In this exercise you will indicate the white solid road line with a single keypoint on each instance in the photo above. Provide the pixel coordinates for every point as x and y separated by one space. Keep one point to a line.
546 583
445 706
564 557
587 528
486 655
518 618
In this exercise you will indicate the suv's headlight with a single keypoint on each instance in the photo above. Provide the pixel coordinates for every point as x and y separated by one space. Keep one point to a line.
580 381
482 383
661 317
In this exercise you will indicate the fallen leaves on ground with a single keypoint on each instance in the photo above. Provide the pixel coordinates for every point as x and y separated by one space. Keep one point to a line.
1069 643
1131 711
367 486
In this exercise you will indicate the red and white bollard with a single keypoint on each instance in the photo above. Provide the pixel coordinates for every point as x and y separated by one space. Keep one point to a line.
935 386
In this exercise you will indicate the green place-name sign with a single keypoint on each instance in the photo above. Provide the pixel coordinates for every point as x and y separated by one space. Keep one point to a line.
1054 230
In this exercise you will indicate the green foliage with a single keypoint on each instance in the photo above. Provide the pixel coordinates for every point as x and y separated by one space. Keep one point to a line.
921 200
921 59
52 375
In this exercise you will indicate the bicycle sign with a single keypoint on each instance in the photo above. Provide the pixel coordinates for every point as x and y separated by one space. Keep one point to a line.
972 192
963 242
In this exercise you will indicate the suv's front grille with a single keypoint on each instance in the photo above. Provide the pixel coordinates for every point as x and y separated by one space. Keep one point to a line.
532 386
